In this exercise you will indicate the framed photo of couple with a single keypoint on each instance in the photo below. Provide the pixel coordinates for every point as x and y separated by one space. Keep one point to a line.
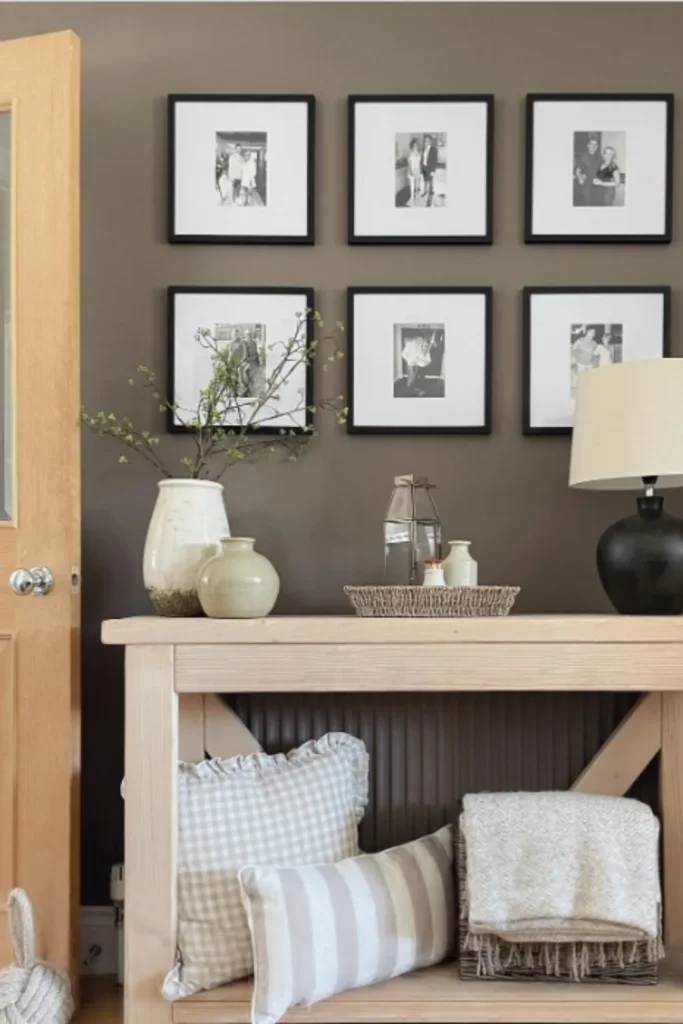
241 169
420 170
570 331
599 167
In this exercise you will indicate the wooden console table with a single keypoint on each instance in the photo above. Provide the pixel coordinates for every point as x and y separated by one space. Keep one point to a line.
167 660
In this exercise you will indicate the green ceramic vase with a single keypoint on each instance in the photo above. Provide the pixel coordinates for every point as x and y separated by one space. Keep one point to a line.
238 583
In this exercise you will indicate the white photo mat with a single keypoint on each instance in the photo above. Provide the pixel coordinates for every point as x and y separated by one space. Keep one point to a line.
196 212
464 317
644 123
552 316
276 313
376 126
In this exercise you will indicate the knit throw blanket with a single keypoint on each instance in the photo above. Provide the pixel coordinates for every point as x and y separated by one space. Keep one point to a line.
560 868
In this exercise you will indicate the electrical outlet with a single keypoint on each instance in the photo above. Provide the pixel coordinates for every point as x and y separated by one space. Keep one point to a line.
99 941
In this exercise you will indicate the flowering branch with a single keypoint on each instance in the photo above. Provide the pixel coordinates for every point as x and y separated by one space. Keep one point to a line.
247 393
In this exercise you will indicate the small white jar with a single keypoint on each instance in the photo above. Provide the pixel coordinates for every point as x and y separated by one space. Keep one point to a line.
460 569
434 576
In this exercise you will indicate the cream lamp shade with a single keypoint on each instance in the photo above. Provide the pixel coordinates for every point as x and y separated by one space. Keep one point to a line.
629 425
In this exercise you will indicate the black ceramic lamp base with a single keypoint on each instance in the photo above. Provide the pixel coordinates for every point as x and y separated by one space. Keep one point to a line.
640 561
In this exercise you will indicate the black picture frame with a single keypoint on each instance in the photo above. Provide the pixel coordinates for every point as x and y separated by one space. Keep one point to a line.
306 238
532 238
486 291
174 290
528 294
355 239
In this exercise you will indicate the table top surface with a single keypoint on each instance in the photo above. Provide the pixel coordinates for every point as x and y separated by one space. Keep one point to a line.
351 629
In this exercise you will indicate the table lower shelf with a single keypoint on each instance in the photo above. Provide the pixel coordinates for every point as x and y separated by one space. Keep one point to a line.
438 996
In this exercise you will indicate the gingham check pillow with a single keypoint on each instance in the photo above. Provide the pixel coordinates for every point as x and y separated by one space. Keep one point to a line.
299 808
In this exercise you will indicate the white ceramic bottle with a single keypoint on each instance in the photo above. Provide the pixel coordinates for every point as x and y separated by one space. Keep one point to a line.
185 530
460 569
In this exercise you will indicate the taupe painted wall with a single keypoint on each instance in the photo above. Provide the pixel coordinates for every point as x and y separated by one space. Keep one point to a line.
320 520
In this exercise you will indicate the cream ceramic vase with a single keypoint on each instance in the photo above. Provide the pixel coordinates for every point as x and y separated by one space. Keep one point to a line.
238 583
186 528
460 569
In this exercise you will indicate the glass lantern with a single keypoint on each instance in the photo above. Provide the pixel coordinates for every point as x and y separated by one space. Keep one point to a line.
412 531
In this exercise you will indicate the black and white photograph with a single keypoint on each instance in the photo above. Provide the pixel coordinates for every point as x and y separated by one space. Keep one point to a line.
246 345
419 360
420 170
568 332
241 169
599 167
592 345
259 339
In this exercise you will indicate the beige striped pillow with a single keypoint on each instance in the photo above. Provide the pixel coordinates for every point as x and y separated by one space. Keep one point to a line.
326 928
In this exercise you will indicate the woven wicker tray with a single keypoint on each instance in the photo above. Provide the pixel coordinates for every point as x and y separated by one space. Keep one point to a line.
431 602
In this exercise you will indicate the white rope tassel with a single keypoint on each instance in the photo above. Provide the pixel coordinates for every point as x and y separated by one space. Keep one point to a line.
31 992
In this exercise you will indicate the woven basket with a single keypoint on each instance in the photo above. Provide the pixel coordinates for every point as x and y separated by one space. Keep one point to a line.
604 965
431 602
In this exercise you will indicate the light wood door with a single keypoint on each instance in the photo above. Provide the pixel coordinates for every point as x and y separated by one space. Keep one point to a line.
40 483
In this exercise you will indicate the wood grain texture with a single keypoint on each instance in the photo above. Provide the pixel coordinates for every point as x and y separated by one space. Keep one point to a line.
311 668
438 995
671 781
101 1001
150 831
225 735
209 727
434 995
8 787
627 752
347 629
40 85
191 728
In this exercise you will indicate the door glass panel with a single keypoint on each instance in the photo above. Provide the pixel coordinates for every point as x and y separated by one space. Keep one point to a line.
6 443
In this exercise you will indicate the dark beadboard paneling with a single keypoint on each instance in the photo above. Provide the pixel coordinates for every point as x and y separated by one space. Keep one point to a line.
428 750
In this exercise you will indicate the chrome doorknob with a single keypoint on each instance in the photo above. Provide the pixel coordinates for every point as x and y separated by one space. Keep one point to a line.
37 581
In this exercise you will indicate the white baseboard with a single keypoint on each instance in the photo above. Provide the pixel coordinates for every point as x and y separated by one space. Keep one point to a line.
98 932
